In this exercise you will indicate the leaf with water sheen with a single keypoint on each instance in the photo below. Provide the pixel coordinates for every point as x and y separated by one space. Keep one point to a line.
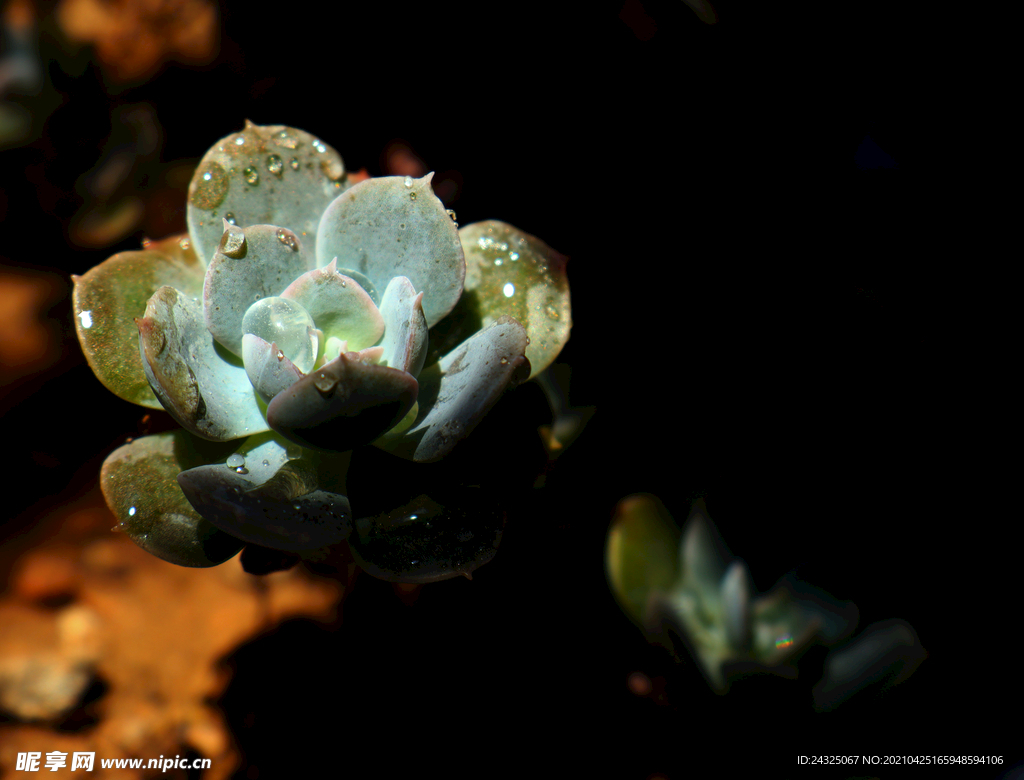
260 266
427 540
107 298
138 483
509 272
263 175
395 226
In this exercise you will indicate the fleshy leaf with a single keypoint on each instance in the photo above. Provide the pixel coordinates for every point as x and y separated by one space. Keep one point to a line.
425 540
736 605
511 272
138 483
641 554
264 175
883 655
109 296
405 334
259 262
395 226
457 391
268 368
343 405
338 305
204 393
703 557
269 498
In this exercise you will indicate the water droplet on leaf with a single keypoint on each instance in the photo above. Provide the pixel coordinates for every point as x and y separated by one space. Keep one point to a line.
233 244
209 187
294 162
275 164
235 460
325 383
286 141
252 176
288 238
286 323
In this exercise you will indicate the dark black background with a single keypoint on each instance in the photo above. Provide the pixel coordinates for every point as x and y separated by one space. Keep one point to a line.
756 320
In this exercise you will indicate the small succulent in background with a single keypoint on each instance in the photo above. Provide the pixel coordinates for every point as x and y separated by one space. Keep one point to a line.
295 323
682 583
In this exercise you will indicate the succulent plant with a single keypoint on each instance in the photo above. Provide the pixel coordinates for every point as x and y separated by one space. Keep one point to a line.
293 324
677 582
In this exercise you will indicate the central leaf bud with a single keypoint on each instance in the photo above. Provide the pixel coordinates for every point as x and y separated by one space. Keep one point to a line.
284 322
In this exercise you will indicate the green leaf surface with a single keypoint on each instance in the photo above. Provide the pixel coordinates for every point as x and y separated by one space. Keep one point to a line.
139 484
107 299
509 272
640 556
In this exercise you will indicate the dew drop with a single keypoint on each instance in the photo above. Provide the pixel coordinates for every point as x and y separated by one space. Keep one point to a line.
209 187
239 141
131 511
241 470
231 218
504 361
294 162
408 181
513 256
319 145
293 452
86 317
288 238
266 462
285 141
235 460
552 312
412 196
509 289
286 324
275 164
184 244
280 356
233 244
252 176
146 242
324 382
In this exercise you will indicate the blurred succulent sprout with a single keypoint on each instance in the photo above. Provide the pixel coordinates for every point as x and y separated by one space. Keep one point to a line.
682 585
292 325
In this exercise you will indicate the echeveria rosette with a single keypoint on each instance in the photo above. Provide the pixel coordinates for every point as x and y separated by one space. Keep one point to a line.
295 321
665 578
